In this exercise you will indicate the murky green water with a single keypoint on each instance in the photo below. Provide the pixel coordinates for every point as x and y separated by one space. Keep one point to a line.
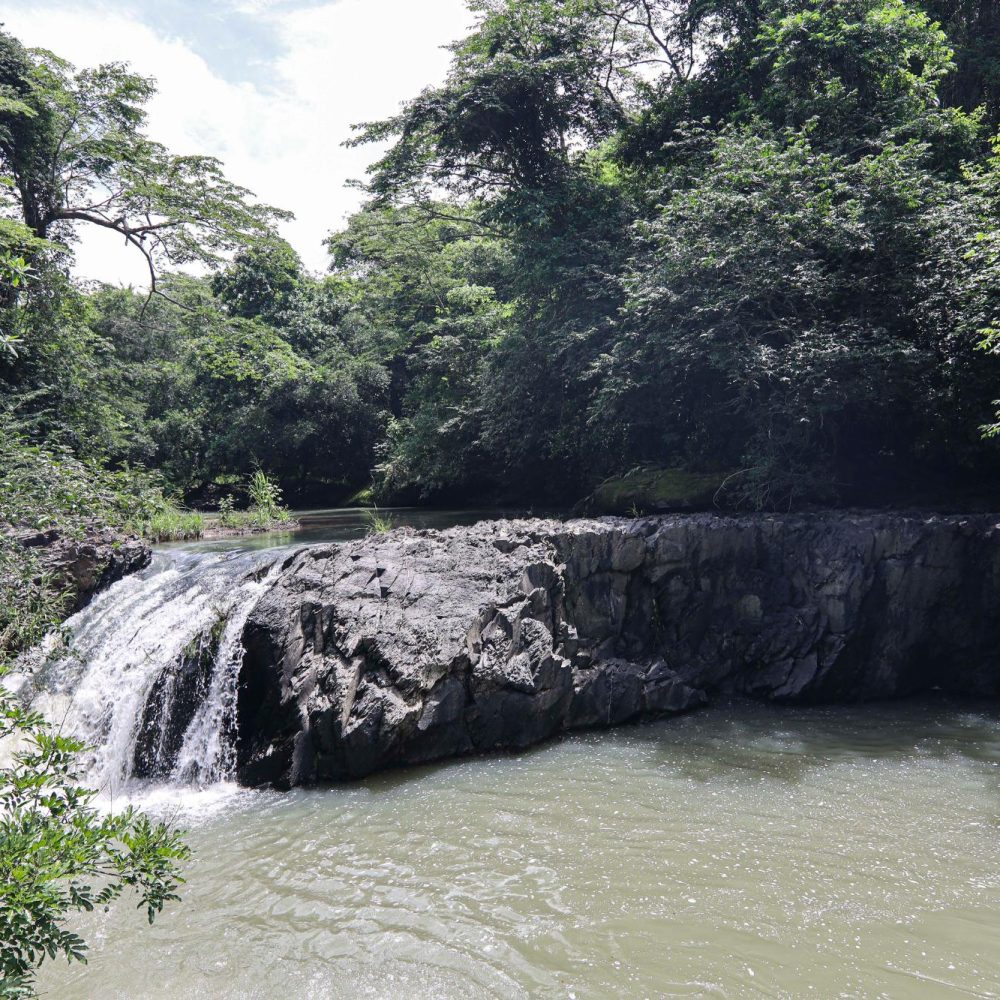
743 852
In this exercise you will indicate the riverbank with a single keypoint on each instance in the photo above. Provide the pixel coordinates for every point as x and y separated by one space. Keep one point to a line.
215 530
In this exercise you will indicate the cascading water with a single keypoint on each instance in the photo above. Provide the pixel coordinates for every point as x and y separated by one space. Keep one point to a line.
148 680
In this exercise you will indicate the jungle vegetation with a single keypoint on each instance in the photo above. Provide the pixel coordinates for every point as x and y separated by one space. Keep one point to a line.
755 239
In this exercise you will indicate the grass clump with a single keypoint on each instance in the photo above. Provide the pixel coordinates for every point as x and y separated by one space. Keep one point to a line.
266 511
174 524
377 523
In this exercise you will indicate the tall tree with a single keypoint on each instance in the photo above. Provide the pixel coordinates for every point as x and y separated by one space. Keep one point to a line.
75 147
973 29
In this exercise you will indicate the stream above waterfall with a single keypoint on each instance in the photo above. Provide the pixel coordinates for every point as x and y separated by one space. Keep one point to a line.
741 851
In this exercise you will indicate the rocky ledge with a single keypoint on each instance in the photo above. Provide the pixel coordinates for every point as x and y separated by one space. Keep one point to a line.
85 564
418 645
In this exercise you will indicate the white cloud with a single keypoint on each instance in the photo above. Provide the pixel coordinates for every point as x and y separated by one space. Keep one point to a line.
282 135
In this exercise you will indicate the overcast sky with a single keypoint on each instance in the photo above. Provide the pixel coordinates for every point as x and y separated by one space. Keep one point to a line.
271 87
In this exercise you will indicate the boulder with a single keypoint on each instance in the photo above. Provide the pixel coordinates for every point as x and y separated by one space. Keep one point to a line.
418 645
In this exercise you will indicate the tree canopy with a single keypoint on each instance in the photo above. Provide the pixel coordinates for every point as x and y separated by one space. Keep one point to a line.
75 148
753 239
744 237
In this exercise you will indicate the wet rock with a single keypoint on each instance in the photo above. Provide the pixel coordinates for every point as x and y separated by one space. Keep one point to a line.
413 646
172 703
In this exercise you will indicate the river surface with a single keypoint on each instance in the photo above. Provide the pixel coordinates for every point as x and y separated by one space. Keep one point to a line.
741 851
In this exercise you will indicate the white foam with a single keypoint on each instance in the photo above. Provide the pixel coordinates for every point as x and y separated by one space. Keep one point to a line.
121 645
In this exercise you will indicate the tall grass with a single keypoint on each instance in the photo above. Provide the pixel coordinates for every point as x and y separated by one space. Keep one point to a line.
377 523
265 497
266 510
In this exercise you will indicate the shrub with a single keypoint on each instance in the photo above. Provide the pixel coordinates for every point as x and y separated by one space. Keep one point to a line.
59 855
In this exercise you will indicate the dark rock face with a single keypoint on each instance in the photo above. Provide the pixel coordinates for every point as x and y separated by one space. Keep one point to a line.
85 566
171 705
414 646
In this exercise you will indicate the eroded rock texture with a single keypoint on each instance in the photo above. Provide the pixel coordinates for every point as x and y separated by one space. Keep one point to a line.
86 565
414 646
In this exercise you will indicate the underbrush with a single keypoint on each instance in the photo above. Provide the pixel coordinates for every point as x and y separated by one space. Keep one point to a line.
45 487
48 488
30 604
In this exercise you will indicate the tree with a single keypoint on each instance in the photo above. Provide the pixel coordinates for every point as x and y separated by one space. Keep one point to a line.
973 30
984 315
740 235
75 146
521 94
425 307
528 89
260 281
808 321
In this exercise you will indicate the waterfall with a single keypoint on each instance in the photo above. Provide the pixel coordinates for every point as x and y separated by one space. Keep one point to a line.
148 678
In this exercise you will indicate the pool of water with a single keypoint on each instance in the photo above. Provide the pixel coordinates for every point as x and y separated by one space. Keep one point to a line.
737 852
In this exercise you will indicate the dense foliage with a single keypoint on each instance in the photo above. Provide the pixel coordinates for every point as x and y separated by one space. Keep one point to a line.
59 855
752 239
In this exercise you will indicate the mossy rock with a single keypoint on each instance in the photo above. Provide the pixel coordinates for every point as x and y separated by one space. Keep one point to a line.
650 490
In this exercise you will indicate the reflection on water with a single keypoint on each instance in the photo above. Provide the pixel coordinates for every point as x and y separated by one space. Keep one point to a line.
739 852
345 524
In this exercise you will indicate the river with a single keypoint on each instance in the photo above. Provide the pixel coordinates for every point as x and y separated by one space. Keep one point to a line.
738 852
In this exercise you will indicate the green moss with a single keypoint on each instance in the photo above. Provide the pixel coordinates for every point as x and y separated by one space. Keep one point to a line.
648 490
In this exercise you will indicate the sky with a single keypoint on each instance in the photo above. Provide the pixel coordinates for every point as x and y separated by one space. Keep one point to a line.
270 87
